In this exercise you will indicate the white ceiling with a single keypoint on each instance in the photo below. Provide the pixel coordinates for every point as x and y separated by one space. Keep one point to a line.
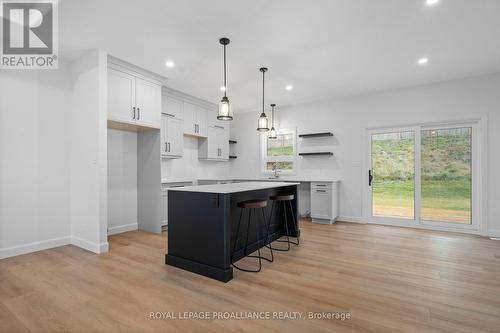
324 48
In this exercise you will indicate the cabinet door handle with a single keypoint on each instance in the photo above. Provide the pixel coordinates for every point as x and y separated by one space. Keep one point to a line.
217 126
320 185
166 147
133 115
169 147
321 191
138 113
168 114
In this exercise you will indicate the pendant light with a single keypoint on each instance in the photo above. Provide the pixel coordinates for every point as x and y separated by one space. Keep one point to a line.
273 134
263 124
225 109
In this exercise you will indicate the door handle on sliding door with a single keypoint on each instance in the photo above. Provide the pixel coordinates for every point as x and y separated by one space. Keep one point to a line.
370 178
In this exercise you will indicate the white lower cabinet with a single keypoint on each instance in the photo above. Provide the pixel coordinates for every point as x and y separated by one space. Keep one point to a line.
324 202
164 198
164 206
172 137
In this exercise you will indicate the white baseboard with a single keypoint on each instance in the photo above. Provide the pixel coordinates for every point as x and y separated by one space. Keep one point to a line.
89 246
494 234
123 228
351 219
33 247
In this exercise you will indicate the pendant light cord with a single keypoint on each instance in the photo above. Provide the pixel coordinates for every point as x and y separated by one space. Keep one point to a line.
263 74
225 85
273 116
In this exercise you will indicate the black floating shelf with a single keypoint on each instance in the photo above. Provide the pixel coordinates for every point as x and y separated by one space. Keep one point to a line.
232 156
322 153
233 141
315 135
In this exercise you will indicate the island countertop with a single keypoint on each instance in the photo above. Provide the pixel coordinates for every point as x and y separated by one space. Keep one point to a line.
233 187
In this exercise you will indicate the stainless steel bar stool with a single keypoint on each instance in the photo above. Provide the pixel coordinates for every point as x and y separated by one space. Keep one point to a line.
284 201
252 206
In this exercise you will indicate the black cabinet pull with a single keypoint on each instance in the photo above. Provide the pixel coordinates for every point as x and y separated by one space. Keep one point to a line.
169 147
166 149
138 113
370 178
133 116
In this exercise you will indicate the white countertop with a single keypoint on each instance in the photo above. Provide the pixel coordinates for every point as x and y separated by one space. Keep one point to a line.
176 180
232 187
267 179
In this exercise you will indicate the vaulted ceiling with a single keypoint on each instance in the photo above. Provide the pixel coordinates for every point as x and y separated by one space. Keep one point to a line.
323 48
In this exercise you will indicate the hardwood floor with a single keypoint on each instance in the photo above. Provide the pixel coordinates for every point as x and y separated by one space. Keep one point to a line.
388 279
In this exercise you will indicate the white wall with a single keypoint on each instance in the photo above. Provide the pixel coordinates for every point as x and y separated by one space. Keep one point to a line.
122 181
88 158
34 159
350 117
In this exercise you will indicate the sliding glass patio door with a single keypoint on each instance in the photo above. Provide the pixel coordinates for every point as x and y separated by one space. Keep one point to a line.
392 175
423 175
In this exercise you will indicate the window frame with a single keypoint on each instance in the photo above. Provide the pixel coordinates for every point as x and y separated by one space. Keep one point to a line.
264 159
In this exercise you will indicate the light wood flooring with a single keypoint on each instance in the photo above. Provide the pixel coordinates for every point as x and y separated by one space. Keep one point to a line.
389 279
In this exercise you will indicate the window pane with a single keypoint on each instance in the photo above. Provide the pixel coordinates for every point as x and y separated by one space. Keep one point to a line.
447 175
393 170
281 146
279 165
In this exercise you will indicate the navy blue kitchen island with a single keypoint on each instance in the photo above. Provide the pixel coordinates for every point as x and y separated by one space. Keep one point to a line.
202 224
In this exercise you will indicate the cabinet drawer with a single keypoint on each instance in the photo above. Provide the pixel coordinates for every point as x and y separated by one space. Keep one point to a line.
321 203
327 185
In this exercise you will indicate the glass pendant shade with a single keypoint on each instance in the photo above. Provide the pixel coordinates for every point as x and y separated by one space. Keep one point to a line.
263 124
225 110
273 134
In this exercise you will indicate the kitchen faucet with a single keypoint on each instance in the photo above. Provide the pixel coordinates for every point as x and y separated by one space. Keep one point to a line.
275 169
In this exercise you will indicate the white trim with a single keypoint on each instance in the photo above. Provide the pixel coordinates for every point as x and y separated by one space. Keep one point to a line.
123 66
123 228
351 219
33 247
172 93
89 246
494 234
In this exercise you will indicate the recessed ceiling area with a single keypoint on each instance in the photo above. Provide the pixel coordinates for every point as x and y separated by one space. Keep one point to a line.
324 48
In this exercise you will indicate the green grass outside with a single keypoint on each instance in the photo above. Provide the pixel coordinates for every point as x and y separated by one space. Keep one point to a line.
280 151
448 195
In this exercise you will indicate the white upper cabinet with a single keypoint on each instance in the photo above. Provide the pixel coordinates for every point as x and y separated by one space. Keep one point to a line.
148 103
216 145
121 96
171 137
133 100
213 121
172 107
195 120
